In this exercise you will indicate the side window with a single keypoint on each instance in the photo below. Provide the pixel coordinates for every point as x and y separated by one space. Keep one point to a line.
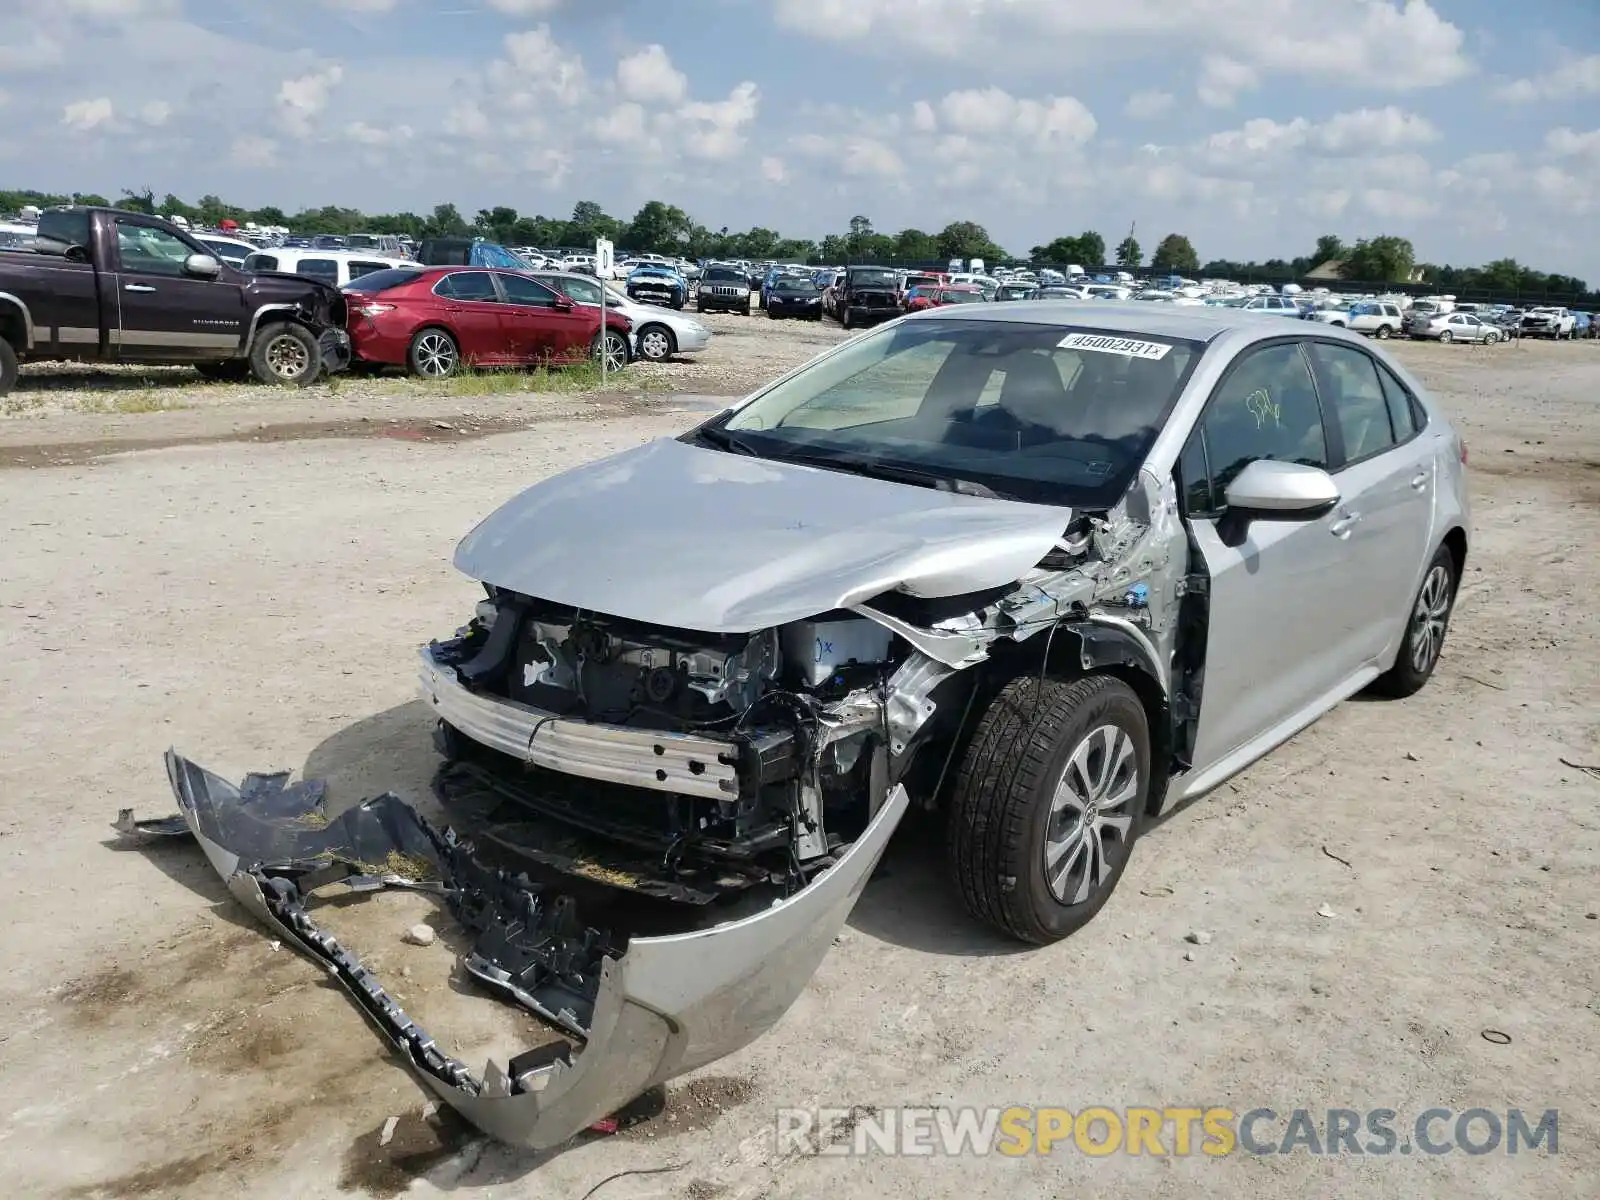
1402 408
358 268
1352 390
148 251
467 285
322 269
261 262
1266 408
583 291
526 292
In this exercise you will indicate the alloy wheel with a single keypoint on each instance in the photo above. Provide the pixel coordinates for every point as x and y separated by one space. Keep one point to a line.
1429 618
435 355
1091 814
287 357
615 351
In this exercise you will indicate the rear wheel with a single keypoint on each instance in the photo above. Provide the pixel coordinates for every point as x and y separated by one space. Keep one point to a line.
1446 337
286 355
433 354
1049 800
1383 333
1425 630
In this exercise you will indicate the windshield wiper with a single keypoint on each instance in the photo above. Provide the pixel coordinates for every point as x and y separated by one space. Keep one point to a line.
872 469
723 440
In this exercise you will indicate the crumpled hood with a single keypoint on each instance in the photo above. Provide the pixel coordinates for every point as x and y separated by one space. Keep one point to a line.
700 539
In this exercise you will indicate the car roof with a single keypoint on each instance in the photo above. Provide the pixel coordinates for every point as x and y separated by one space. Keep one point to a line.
314 252
1190 323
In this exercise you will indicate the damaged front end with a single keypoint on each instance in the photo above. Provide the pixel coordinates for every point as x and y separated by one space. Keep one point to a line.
645 1011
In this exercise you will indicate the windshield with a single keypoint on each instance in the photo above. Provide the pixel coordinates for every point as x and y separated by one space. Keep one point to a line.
1044 413
725 275
873 279
794 285
963 297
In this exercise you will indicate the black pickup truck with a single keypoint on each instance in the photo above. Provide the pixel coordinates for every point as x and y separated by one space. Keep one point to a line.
103 285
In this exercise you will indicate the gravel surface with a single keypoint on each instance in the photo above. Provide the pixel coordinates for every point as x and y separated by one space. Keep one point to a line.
256 604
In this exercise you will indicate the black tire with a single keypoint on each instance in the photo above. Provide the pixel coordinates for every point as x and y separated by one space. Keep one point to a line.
1001 810
434 353
1384 333
8 368
656 343
844 319
226 370
745 311
699 307
1426 627
287 355
1446 338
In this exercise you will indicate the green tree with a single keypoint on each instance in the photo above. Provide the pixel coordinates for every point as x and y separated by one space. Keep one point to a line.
657 228
142 202
1129 255
967 239
1381 259
1330 247
498 223
913 246
446 222
1093 248
1175 253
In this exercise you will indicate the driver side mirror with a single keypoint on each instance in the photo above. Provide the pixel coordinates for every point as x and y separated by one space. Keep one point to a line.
563 304
202 266
1267 490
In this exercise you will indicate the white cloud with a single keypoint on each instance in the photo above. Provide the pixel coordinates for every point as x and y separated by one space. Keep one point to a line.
157 112
1366 133
537 64
1391 205
1374 129
467 120
378 136
993 112
716 128
1569 143
648 77
84 115
254 151
525 8
1395 45
1145 106
1576 77
302 99
1222 79
773 170
923 118
364 6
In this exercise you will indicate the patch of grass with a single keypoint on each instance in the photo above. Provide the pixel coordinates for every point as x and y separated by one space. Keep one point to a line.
580 377
18 403
131 402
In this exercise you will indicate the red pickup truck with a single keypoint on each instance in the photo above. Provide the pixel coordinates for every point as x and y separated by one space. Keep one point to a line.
103 285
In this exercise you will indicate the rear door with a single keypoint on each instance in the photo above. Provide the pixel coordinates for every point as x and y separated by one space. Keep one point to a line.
1278 642
474 309
1385 478
575 330
163 312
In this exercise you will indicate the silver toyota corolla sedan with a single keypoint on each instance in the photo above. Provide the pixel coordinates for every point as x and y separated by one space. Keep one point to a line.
1046 570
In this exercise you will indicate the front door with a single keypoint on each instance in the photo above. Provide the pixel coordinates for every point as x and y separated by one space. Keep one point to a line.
528 318
576 329
1278 641
474 310
163 312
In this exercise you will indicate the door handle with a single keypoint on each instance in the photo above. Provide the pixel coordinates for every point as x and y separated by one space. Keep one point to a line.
137 287
1419 481
1346 522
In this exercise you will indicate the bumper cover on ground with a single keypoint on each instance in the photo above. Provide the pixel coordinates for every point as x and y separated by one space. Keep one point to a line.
664 1006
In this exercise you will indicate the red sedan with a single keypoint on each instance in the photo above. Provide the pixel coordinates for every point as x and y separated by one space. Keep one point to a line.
919 298
437 320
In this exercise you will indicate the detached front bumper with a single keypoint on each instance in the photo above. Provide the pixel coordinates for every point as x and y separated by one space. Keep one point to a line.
692 341
659 1008
335 347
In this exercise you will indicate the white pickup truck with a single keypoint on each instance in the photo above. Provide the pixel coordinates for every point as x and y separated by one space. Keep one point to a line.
1556 323
1377 317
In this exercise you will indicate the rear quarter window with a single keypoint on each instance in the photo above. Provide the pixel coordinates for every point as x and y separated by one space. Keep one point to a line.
261 262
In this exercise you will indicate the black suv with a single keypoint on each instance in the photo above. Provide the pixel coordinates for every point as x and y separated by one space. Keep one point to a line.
868 295
723 289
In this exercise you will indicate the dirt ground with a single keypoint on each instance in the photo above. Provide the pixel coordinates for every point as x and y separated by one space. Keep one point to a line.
246 579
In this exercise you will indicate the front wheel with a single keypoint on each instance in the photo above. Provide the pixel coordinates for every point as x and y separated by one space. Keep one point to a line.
286 355
656 344
1047 805
1425 630
8 367
612 353
844 319
1446 338
1491 338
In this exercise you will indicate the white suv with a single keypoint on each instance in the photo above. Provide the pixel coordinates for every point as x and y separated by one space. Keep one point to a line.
1379 318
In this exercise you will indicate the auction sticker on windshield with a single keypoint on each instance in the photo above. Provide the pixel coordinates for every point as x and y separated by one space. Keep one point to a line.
1113 345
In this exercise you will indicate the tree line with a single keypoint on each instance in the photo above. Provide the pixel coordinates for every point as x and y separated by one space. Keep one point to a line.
662 228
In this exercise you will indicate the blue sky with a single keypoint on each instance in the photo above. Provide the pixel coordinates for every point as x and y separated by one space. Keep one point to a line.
1252 126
